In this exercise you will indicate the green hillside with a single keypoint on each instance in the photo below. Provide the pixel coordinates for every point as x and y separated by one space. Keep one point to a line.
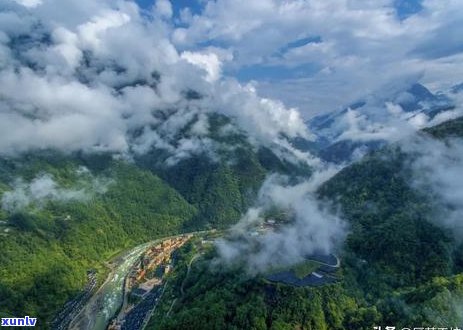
49 244
223 186
398 268
451 128
47 249
226 298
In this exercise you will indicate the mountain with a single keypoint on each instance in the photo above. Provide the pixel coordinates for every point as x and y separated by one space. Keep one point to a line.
448 129
65 213
457 88
221 181
375 120
399 266
142 172
50 241
133 150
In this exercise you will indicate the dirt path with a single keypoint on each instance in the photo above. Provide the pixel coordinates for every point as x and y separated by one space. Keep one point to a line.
188 273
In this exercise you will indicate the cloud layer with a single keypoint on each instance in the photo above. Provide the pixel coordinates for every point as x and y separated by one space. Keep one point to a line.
300 51
44 188
312 229
437 167
105 76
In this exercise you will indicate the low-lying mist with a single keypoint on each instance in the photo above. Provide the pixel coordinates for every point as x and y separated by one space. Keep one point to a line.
312 228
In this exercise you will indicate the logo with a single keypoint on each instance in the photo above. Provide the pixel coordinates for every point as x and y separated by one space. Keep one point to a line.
19 321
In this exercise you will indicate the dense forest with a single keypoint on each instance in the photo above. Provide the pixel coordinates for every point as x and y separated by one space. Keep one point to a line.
93 206
221 190
398 267
47 249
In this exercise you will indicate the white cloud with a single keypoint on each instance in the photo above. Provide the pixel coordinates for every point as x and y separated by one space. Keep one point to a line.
90 80
209 62
88 83
163 8
93 31
380 116
263 117
362 45
436 169
313 228
29 3
44 188
356 126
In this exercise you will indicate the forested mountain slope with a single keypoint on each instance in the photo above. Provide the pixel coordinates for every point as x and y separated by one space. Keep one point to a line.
400 267
223 182
64 214
49 243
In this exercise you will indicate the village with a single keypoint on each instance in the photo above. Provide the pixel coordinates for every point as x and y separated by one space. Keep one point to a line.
268 225
144 283
149 270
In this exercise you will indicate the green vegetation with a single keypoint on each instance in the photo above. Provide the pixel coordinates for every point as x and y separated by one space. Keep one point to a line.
390 228
219 192
49 244
47 251
221 189
451 128
227 299
398 268
218 298
304 268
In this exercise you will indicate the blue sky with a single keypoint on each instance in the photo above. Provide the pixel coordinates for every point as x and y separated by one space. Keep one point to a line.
267 63
298 51
267 70
177 5
406 8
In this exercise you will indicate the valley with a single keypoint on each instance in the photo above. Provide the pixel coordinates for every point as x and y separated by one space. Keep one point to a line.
108 306
231 165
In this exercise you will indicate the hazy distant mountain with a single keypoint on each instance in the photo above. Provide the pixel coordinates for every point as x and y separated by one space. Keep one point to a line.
378 118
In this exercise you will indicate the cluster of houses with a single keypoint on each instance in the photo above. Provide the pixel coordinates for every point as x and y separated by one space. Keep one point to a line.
264 227
147 273
157 257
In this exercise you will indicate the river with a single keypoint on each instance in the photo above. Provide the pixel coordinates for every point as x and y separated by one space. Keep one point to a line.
104 304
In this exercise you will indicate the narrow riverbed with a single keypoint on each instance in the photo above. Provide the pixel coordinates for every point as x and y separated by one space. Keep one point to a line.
106 301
